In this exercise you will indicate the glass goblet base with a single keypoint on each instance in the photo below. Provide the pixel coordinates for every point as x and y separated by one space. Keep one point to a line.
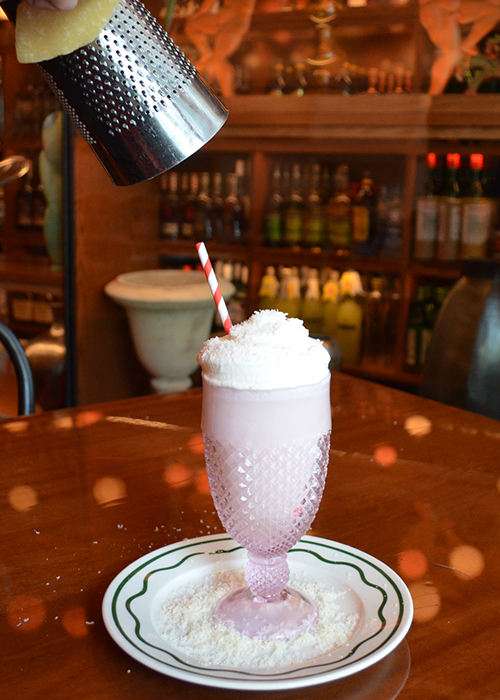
284 616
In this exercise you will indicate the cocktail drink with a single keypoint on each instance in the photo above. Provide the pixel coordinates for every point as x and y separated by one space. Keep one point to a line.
266 427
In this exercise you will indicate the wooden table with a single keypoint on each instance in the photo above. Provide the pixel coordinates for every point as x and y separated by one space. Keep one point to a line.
84 492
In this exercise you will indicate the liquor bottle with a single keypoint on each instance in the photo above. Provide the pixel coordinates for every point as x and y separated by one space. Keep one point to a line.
374 323
188 207
273 215
364 217
234 221
170 211
330 301
293 225
240 168
277 87
239 301
339 212
217 207
392 220
315 216
427 222
269 289
300 80
289 295
312 309
478 213
202 218
450 212
24 201
350 317
414 331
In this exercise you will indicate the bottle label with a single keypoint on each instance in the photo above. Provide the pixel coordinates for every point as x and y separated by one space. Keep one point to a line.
477 221
450 220
360 223
339 232
314 230
273 228
170 229
293 228
187 230
427 220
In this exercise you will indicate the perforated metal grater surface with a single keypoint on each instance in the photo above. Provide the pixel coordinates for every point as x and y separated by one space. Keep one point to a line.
135 97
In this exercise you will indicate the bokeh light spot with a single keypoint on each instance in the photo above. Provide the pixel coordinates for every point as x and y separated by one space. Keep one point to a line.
109 490
22 498
426 601
412 564
63 422
467 561
75 623
86 418
176 475
16 426
26 612
385 455
417 425
195 444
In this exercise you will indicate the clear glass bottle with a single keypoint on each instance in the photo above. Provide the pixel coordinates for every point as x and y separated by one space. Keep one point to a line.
312 308
450 212
330 301
478 213
202 219
188 207
293 225
427 220
315 215
170 207
364 217
233 212
350 317
273 215
269 289
217 207
339 213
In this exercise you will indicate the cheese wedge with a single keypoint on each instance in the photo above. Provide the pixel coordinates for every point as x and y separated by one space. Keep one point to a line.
45 34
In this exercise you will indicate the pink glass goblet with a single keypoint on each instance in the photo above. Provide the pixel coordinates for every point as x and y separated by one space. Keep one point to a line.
267 457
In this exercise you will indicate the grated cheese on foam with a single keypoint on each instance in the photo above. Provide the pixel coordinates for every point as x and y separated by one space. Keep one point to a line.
187 623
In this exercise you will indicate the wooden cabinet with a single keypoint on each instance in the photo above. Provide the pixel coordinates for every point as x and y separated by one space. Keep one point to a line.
389 133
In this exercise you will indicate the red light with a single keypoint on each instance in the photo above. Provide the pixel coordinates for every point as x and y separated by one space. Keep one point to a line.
476 161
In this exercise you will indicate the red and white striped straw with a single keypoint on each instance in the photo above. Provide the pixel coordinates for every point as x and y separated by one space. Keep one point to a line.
214 286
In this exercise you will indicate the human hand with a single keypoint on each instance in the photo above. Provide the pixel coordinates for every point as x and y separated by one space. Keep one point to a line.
54 5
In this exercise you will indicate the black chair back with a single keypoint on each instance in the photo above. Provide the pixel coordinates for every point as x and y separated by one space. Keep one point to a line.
25 386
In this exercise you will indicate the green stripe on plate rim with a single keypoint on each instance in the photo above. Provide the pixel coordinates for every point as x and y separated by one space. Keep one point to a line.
203 671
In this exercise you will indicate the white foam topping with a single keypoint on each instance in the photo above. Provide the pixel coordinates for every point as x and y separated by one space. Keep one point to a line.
268 351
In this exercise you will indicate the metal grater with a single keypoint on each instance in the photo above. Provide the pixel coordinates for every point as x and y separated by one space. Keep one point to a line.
135 97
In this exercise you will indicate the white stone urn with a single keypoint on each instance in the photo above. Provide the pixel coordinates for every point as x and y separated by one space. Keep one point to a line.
170 314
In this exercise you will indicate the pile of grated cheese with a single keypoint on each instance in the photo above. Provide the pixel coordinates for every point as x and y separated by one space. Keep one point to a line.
186 621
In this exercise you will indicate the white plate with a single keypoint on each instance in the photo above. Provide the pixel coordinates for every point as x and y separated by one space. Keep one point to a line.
381 599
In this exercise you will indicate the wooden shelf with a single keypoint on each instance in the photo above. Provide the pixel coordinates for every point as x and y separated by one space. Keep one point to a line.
35 275
390 123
